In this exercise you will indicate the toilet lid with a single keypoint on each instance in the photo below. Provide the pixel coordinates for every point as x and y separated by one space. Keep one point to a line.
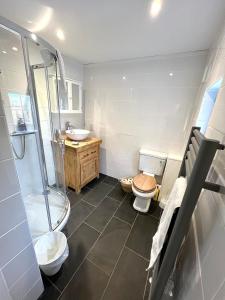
144 183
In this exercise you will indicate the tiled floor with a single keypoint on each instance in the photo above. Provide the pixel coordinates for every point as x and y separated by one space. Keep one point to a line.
109 246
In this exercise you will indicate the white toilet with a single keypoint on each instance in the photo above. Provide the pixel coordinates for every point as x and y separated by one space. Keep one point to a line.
51 251
144 185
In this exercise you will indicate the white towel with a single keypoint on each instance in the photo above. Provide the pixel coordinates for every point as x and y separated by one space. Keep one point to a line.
174 201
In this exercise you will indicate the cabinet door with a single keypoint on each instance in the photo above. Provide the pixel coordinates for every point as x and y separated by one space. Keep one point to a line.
89 170
70 168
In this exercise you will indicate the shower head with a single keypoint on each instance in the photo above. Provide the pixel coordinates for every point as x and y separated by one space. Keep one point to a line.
48 57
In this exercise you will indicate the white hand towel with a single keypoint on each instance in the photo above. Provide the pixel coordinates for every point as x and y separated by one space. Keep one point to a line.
174 201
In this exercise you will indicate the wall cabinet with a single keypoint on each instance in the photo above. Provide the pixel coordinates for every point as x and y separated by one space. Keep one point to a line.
81 162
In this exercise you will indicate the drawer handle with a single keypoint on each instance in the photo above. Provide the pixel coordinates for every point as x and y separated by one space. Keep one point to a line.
85 155
93 152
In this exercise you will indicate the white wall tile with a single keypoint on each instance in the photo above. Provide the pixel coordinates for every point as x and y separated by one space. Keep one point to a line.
19 265
14 231
209 213
211 242
148 109
220 295
12 212
5 150
28 168
213 267
187 272
213 133
13 242
3 289
8 179
1 103
23 285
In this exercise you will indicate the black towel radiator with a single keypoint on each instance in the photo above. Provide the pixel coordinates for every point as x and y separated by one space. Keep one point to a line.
197 160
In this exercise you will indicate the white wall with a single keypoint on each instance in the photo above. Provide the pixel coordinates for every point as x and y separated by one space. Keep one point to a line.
203 268
148 108
20 277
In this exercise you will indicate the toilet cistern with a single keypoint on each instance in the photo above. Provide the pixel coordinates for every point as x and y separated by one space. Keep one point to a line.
144 185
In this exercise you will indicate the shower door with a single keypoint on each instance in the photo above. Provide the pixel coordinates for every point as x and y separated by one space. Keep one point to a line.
45 80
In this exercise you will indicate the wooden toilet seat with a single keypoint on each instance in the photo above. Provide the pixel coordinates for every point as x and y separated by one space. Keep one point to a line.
144 183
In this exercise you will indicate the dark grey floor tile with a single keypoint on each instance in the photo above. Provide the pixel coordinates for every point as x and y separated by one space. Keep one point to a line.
78 214
79 244
50 292
96 195
129 278
155 210
88 283
101 215
117 193
107 249
140 239
74 197
110 180
126 211
96 181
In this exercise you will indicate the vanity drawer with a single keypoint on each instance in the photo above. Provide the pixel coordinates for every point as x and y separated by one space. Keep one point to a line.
93 152
88 154
84 154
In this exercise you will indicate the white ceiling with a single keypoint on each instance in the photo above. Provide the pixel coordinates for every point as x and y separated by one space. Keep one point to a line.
103 30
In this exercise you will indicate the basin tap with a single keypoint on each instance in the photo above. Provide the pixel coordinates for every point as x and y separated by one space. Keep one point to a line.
68 125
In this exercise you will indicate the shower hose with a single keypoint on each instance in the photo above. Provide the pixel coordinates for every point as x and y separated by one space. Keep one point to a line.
23 146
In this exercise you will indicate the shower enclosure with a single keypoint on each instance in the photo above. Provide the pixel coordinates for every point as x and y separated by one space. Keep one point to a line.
32 88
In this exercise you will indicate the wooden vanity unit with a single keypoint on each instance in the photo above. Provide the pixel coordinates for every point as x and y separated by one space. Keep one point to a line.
81 162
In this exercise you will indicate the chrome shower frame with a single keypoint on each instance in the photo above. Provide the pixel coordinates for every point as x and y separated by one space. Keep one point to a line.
25 35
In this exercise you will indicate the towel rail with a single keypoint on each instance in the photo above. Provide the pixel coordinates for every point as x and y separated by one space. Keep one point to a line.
195 145
198 135
190 160
193 154
182 168
197 160
188 171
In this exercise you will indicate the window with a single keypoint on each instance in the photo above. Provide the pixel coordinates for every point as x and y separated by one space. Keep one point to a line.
73 102
207 105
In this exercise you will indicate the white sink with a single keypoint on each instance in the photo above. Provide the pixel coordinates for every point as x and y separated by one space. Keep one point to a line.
77 134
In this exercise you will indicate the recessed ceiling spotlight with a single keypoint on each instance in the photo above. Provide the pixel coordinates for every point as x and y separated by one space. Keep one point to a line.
33 36
60 34
170 74
4 52
14 48
29 22
155 8
124 77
